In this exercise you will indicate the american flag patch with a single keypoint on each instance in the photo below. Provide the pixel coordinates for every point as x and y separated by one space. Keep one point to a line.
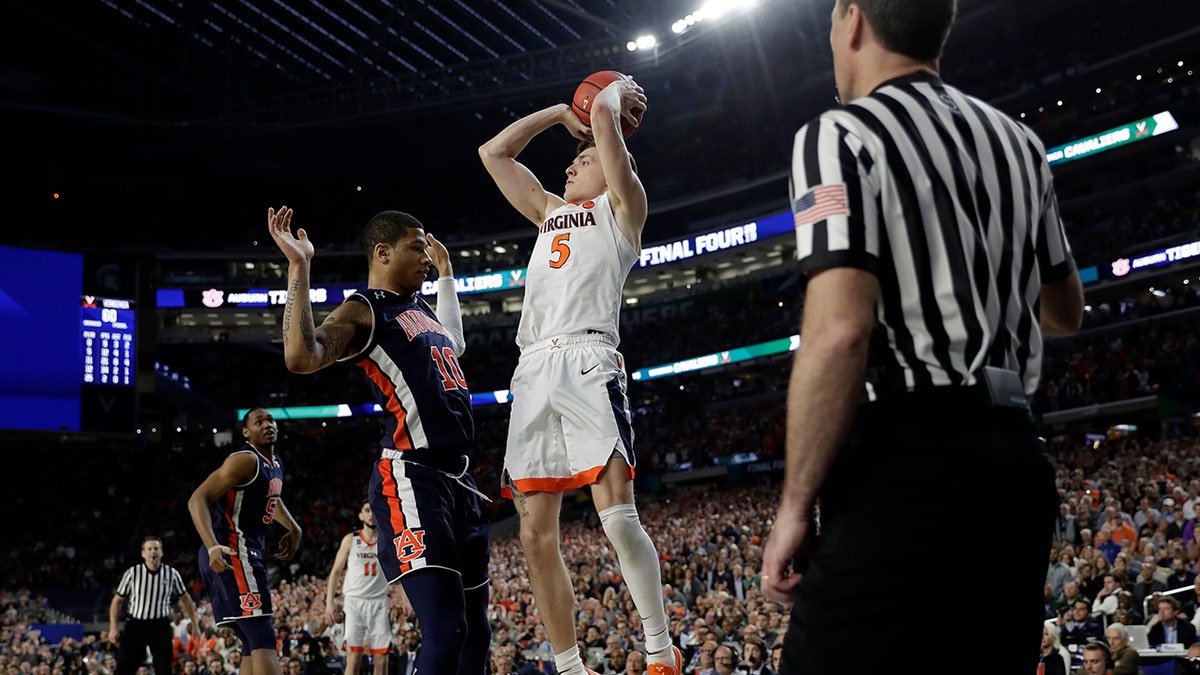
821 202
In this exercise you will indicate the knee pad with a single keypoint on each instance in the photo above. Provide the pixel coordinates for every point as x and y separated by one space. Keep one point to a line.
622 525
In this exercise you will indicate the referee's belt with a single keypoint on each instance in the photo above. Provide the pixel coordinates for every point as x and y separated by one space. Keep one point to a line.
994 388
452 464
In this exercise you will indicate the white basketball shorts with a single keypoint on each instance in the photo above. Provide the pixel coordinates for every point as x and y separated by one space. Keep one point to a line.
367 623
570 413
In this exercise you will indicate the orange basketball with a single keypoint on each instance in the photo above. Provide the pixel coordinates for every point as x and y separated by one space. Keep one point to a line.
586 93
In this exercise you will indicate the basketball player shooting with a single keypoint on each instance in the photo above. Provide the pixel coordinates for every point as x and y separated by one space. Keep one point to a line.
570 421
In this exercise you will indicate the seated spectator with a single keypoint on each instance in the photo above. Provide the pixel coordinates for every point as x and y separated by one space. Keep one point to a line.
1146 584
1126 659
1166 627
1054 658
1106 598
1077 627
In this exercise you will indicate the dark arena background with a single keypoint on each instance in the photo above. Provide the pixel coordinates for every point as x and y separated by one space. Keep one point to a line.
142 142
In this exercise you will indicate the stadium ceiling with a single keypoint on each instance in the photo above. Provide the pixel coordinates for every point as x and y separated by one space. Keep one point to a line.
307 62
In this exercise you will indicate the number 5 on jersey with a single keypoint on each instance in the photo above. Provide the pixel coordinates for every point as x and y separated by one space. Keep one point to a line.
559 246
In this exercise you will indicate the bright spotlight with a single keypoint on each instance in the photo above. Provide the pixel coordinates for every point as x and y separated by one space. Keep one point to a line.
679 26
715 8
631 46
646 42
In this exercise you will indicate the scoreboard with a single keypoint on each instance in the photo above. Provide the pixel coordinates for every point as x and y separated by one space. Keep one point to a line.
107 327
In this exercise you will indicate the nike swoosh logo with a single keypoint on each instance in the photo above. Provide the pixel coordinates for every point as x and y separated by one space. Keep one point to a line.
585 372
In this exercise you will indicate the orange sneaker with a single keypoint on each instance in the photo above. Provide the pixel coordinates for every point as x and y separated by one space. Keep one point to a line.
664 669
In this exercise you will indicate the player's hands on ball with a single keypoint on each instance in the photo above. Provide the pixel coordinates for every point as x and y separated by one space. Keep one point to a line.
633 98
574 125
288 543
297 248
216 558
440 256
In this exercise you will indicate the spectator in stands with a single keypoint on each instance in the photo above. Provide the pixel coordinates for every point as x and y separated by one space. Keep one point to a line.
1077 627
215 665
1059 571
1106 599
754 655
724 660
702 661
1181 575
1166 627
1105 544
1071 593
1146 584
1131 611
1126 659
1054 658
635 663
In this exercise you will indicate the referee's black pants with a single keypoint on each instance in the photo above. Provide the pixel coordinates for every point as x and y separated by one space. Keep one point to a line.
140 634
936 527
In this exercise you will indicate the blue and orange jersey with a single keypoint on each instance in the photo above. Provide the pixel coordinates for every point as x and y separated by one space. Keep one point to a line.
242 515
412 370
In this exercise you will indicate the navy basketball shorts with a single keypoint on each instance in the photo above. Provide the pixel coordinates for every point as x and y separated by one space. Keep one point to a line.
239 593
428 519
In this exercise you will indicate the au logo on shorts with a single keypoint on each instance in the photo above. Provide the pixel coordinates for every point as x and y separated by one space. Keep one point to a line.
410 544
250 601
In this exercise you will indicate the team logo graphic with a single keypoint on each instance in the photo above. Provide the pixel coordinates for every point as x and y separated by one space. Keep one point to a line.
213 298
1121 267
588 204
410 545
250 601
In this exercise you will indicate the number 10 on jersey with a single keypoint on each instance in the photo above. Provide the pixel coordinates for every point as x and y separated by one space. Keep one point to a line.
447 363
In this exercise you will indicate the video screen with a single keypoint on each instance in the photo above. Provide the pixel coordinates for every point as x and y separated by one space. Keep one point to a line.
42 360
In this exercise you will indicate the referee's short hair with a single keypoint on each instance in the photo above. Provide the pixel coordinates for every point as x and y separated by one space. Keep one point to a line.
914 28
150 538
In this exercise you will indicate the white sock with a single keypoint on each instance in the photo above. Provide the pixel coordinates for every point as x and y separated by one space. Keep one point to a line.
639 566
568 662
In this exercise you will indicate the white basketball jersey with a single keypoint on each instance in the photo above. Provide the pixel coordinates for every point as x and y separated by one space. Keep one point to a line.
576 273
363 578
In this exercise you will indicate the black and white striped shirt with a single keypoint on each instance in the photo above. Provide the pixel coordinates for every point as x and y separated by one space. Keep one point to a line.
150 594
950 204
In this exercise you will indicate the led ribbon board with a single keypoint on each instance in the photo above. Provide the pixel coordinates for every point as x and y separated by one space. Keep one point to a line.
1113 138
780 346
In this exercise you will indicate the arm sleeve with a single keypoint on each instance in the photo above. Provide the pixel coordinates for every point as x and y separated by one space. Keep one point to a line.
834 199
450 313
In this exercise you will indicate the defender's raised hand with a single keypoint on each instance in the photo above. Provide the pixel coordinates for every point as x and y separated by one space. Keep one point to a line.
297 248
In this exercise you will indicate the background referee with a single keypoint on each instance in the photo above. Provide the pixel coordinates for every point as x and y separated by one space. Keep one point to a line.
935 260
151 589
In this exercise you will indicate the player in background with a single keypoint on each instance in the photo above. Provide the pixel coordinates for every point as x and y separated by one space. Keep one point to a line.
364 595
232 511
433 535
570 422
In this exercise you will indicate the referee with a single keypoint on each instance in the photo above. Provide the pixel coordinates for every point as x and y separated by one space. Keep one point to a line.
150 588
935 260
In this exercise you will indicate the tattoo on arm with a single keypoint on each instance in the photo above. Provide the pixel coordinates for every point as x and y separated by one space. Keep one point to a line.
287 311
335 341
307 330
